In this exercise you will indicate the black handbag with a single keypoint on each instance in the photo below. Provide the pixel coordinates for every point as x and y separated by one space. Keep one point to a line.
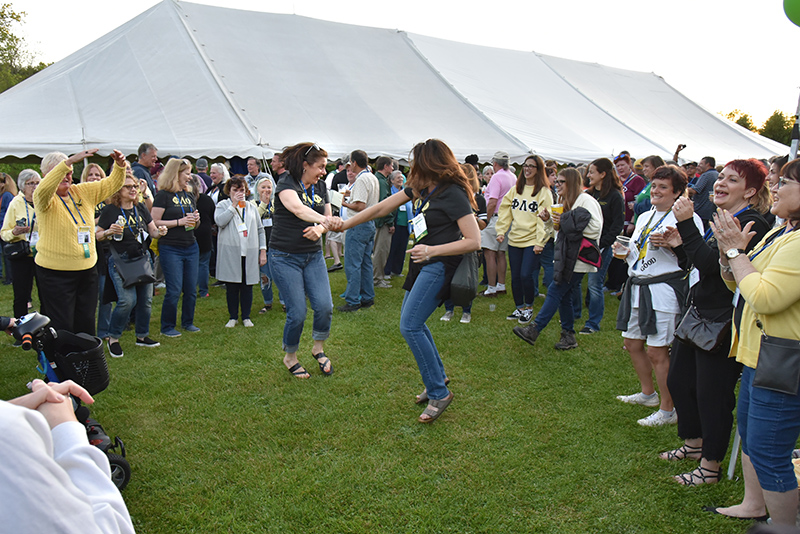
778 366
134 272
464 285
697 331
17 250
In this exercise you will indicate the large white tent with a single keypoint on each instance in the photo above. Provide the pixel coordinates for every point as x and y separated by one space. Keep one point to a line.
197 80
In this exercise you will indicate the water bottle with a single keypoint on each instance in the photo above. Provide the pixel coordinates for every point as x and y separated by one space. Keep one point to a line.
121 222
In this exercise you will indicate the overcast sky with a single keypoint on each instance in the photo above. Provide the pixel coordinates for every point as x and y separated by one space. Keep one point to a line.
723 54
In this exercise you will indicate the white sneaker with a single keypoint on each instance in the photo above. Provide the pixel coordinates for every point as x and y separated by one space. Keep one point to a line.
640 398
447 316
247 323
466 317
231 323
659 418
491 291
501 289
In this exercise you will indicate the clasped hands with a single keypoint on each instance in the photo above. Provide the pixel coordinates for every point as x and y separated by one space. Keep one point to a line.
53 400
333 224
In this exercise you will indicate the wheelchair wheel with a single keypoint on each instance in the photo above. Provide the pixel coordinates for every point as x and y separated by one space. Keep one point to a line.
120 470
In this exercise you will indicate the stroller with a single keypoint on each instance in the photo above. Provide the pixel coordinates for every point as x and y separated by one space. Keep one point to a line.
78 357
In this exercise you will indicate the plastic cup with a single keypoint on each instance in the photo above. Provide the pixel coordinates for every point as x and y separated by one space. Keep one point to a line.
242 204
492 307
622 248
557 208
342 188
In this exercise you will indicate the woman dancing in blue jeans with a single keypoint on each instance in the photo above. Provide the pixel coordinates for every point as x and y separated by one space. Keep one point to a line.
444 229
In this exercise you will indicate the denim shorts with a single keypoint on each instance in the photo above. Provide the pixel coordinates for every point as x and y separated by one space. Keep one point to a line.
769 423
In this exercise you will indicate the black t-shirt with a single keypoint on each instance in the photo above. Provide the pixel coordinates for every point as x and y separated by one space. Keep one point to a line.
287 234
176 206
136 221
613 208
443 207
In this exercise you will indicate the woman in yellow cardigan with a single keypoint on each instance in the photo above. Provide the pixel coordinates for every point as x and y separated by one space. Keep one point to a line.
767 299
65 253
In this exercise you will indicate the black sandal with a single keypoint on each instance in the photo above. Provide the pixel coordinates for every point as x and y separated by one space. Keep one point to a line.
298 371
699 476
323 361
682 453
423 397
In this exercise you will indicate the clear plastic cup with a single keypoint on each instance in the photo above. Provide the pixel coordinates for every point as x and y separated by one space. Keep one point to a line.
623 245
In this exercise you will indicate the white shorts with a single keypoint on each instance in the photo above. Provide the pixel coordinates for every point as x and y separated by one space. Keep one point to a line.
665 328
489 237
336 237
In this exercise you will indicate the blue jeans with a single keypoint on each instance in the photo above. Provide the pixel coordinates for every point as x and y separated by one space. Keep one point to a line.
203 272
104 310
180 275
267 283
597 301
140 297
559 298
523 262
546 261
418 305
769 423
397 252
358 243
301 276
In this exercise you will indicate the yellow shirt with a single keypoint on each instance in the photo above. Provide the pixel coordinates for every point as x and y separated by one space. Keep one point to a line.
58 246
528 229
771 295
16 211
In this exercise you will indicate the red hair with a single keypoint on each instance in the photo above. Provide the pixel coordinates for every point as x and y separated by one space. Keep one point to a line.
751 170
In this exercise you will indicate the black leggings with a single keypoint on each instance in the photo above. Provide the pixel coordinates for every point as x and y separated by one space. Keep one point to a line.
237 293
22 274
702 387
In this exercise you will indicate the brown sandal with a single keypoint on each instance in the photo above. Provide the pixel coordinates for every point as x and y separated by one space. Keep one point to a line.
435 409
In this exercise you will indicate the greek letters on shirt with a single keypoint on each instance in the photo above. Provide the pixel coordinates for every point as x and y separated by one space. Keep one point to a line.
525 204
183 200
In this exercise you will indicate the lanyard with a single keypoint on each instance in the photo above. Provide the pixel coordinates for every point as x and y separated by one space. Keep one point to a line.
268 210
421 204
647 230
186 197
630 177
241 215
69 211
311 200
774 237
710 233
31 221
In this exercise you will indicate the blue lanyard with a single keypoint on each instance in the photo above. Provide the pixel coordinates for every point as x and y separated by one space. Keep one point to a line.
772 239
186 197
69 211
421 204
647 230
311 200
630 177
710 233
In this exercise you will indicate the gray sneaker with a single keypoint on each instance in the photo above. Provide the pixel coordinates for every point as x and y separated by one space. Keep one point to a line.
447 316
567 341
527 333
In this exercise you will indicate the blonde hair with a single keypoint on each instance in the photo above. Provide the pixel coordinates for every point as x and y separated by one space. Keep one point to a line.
168 180
88 166
9 185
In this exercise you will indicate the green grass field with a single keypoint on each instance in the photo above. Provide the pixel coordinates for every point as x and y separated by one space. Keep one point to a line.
221 438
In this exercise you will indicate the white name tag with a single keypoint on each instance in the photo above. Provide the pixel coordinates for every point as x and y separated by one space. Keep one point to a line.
420 227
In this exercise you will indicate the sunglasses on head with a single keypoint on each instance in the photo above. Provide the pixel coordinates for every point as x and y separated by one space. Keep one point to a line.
309 149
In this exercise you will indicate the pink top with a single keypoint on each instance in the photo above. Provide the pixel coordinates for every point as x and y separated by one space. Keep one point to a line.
502 181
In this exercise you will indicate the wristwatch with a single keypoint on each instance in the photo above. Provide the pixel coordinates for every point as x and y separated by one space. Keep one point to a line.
732 253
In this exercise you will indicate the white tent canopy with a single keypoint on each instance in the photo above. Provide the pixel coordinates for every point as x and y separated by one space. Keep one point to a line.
197 80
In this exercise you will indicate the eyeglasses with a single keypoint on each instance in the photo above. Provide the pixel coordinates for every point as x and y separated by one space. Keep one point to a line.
29 184
131 187
530 166
309 149
561 181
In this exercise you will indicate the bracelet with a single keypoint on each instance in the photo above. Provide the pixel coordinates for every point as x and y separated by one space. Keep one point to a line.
725 268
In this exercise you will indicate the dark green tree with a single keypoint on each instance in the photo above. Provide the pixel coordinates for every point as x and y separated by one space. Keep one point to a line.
16 63
778 127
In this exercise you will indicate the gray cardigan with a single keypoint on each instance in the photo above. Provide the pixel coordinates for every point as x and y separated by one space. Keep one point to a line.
229 255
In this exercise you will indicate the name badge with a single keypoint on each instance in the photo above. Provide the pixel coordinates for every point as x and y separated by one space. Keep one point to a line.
420 227
242 227
84 239
34 238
